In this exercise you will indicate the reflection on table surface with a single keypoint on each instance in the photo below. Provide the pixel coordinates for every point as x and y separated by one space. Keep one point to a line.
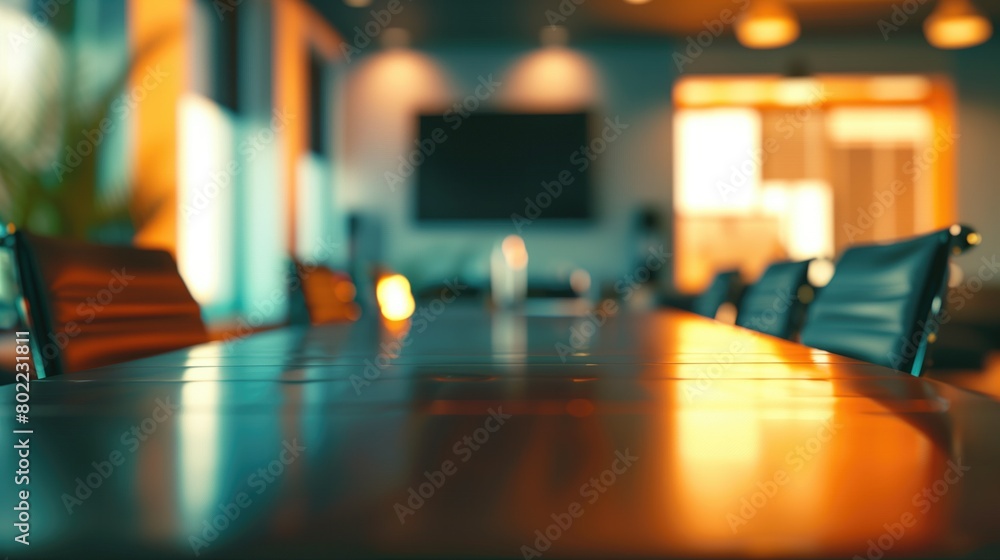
654 435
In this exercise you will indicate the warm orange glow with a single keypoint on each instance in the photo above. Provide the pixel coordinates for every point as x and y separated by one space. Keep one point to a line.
726 313
290 94
692 92
751 455
899 88
394 297
555 78
881 124
816 91
957 24
752 161
514 252
345 291
796 92
154 192
767 24
580 408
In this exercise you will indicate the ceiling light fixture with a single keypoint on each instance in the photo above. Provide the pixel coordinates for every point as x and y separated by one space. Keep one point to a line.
358 3
956 24
767 24
637 2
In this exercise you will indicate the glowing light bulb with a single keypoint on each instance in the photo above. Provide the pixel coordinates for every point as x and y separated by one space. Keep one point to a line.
956 24
395 300
767 24
514 252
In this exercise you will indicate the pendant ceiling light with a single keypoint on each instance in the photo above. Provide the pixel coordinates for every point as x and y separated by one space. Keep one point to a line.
767 24
956 24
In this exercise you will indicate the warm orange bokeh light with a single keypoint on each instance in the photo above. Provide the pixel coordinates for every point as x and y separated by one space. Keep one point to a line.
956 24
553 79
514 252
768 24
394 298
345 291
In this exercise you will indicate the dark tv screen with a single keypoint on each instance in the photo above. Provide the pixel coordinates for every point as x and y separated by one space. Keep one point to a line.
485 165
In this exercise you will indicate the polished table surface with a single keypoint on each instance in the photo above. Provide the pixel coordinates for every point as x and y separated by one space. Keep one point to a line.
478 435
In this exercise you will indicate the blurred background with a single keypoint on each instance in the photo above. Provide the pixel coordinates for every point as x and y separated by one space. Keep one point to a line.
363 134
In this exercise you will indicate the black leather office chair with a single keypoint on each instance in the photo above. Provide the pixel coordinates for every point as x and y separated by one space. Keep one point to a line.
772 305
725 288
92 305
882 302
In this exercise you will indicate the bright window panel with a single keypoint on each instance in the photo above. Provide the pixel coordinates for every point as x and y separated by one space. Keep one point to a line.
718 160
205 204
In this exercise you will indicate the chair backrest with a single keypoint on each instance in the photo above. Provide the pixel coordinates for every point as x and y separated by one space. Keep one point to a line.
93 305
772 305
328 295
724 288
879 304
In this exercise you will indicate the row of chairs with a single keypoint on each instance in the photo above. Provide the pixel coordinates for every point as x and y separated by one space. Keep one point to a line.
881 305
92 305
95 305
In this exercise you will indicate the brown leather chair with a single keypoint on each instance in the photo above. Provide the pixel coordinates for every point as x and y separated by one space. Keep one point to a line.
326 294
92 305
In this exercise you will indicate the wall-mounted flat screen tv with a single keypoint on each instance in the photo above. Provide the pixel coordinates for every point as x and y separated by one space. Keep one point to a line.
482 166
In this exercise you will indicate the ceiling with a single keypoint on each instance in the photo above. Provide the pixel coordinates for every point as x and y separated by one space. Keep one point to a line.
485 21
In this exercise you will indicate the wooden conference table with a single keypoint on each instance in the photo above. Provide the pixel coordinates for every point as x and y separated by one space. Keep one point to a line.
652 435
